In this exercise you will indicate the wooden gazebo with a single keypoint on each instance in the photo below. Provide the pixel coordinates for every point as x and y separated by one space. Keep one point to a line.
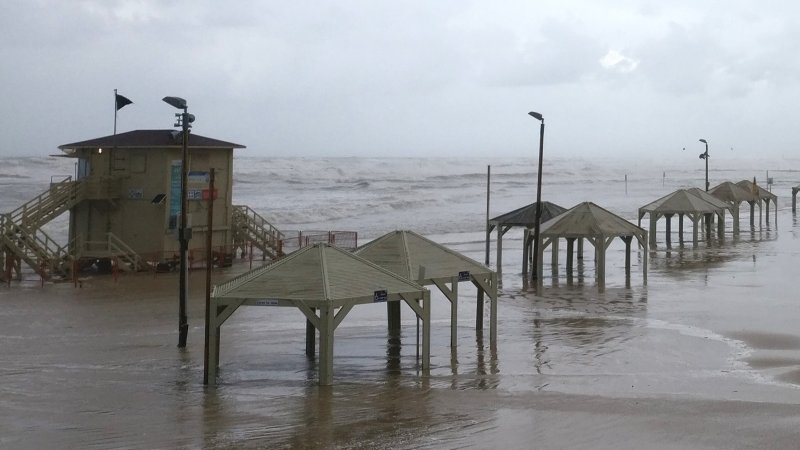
426 262
763 197
323 279
681 203
734 194
599 227
521 217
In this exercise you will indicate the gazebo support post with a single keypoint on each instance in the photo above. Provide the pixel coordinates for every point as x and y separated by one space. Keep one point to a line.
554 256
422 307
707 218
525 252
570 256
752 215
653 219
735 213
627 240
540 266
721 226
680 229
493 309
326 322
600 252
642 242
767 212
776 211
311 337
393 317
668 233
500 251
794 199
452 295
580 248
695 225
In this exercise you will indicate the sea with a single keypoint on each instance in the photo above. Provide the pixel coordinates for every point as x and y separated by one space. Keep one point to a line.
704 354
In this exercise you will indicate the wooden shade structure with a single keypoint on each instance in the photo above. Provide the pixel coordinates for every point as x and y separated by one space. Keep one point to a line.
323 279
426 262
682 202
762 197
599 227
521 217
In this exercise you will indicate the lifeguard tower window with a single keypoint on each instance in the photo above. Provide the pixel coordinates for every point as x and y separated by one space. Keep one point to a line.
119 162
158 199
138 163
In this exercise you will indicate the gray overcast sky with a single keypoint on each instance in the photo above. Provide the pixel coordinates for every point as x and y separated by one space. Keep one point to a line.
408 78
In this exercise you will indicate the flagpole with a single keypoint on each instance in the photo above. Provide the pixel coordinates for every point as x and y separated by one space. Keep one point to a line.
115 112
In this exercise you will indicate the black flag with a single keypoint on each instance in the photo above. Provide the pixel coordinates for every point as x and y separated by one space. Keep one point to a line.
122 101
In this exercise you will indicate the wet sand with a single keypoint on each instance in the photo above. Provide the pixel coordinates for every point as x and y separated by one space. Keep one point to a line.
707 355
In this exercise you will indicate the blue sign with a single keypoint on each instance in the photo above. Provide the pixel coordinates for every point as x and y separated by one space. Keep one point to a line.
463 276
379 296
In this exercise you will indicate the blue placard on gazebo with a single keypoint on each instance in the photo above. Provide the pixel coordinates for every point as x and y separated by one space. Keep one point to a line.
463 275
379 296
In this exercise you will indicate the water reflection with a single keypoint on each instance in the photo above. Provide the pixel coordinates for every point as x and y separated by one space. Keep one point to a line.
569 328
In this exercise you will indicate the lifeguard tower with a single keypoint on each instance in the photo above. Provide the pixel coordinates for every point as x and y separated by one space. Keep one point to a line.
124 205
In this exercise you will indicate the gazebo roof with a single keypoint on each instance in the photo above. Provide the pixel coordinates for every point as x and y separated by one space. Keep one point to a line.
526 215
404 252
589 220
758 191
710 198
316 275
732 192
681 201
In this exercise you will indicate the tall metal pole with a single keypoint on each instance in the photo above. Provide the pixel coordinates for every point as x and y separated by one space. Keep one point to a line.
537 224
183 323
706 167
705 156
488 193
209 264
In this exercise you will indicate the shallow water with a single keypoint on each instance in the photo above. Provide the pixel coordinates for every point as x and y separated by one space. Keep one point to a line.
707 355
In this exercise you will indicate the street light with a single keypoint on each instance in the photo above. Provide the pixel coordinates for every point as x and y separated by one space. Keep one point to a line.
184 121
705 156
534 272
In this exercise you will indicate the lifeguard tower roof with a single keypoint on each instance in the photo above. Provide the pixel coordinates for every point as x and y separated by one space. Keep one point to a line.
150 139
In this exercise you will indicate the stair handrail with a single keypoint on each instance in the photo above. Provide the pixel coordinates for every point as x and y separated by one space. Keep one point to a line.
256 219
118 247
45 203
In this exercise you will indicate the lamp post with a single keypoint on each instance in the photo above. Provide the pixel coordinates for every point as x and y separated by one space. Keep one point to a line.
535 271
705 156
184 121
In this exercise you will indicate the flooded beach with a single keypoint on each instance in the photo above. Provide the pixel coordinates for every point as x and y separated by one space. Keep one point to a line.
706 355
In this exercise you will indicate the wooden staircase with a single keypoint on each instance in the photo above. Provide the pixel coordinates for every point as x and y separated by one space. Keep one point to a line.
114 250
250 228
22 239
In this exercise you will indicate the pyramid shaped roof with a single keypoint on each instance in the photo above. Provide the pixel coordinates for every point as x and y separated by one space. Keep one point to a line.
732 192
526 216
757 190
709 198
587 219
681 201
403 252
315 275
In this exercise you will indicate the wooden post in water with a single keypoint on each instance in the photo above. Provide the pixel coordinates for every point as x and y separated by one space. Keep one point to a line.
209 264
479 300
